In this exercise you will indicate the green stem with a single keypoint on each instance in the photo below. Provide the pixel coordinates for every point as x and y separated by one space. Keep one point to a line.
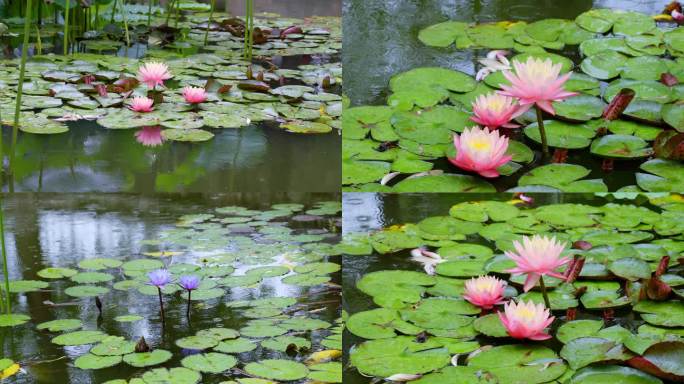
211 16
169 8
125 21
97 16
111 19
20 86
542 131
161 305
66 28
544 294
149 14
5 272
187 312
177 14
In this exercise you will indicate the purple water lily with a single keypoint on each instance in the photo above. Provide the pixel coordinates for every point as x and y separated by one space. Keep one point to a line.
160 278
189 283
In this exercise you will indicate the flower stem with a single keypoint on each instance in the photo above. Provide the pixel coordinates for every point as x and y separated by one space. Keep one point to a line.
211 16
542 131
187 311
544 294
161 306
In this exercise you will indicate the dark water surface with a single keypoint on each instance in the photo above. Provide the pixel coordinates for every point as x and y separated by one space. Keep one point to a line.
46 230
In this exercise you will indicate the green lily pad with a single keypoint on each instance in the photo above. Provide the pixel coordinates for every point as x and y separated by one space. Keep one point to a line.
277 369
630 268
20 286
610 374
562 135
99 263
387 357
60 325
565 177
79 338
578 328
86 291
238 345
580 108
56 273
209 362
583 351
443 183
519 363
91 277
197 342
621 146
190 135
393 289
113 346
13 319
178 375
90 361
604 65
147 359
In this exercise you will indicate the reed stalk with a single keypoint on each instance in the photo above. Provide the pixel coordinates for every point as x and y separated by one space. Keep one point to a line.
66 28
5 271
20 86
211 16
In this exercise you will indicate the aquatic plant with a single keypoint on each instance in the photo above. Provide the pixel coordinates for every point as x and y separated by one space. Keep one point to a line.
65 41
150 136
494 62
153 74
20 84
537 83
6 301
249 29
536 257
194 95
159 278
485 291
142 104
494 110
526 320
189 283
480 150
211 17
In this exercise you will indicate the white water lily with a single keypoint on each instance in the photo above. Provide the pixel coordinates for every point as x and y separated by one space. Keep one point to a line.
401 377
70 116
495 61
427 258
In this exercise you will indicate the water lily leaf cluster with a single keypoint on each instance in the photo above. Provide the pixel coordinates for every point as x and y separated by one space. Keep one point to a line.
401 146
609 324
237 252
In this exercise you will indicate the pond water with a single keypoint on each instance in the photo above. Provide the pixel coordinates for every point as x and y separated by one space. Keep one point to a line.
366 213
59 231
260 156
391 29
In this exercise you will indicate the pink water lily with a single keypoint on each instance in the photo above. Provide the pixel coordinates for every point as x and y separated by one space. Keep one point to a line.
537 256
153 74
536 82
485 291
150 136
142 104
526 320
480 150
494 111
194 95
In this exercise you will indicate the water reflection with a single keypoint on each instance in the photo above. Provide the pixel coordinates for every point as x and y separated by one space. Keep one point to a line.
88 158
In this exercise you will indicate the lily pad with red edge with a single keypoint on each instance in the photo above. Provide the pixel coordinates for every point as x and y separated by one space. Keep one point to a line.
621 146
